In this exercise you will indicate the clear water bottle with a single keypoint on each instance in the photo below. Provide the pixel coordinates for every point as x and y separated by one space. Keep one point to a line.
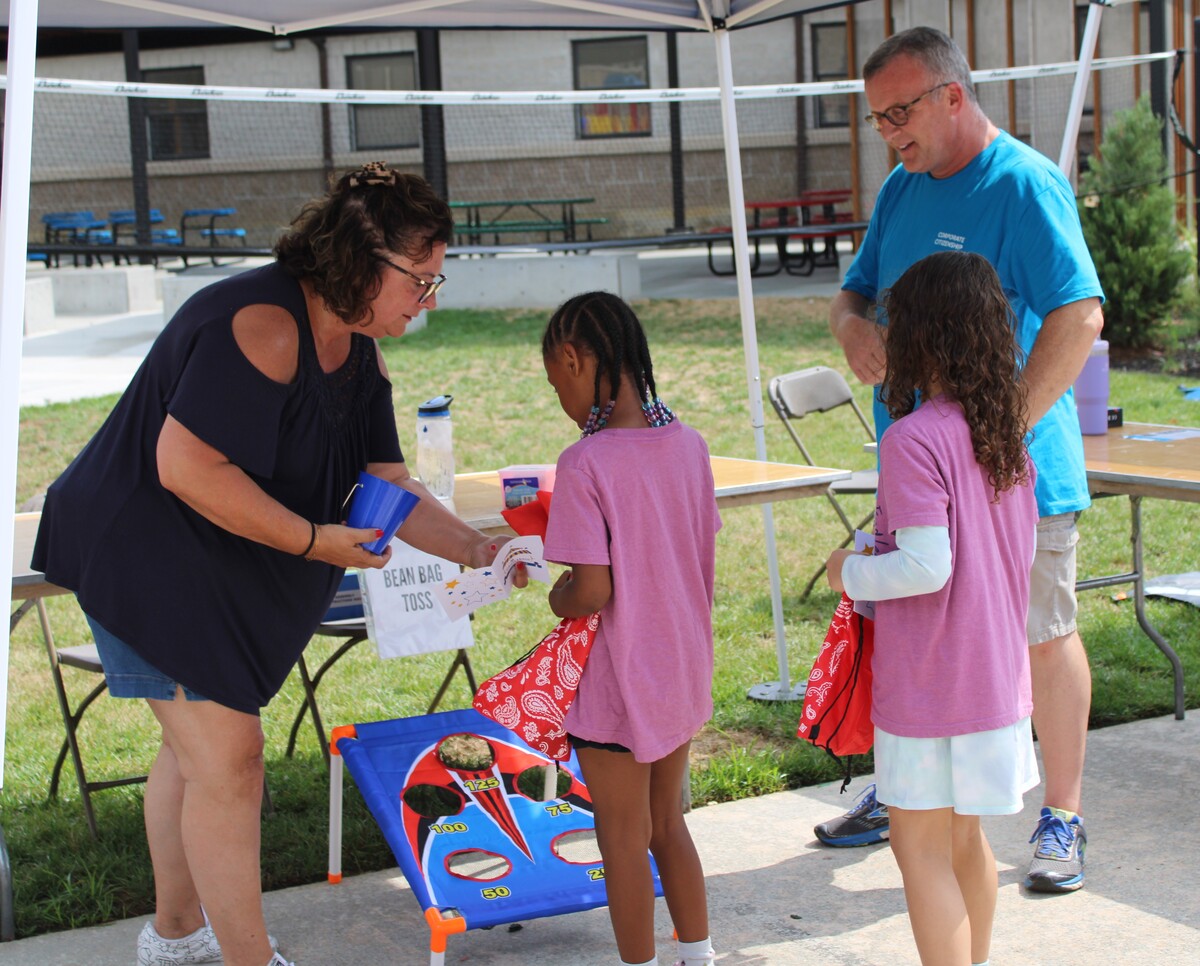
435 447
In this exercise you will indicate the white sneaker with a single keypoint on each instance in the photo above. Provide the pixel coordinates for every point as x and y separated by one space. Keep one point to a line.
199 947
278 960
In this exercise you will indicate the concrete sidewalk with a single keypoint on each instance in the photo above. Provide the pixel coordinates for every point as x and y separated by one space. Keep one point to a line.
777 897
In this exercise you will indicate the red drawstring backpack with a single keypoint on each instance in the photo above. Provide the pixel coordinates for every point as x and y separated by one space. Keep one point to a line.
837 701
532 697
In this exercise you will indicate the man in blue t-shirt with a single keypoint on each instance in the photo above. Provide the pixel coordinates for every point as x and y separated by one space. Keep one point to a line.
964 184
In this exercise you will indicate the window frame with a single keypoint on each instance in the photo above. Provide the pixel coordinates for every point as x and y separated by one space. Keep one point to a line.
403 110
819 103
176 109
640 114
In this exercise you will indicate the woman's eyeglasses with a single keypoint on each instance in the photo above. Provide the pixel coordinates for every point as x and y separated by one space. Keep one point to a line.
428 289
898 116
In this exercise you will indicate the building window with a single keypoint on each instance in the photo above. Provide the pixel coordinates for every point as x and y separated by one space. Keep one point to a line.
177 128
829 63
375 126
622 62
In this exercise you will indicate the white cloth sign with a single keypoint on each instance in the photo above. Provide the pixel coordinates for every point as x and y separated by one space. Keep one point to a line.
402 616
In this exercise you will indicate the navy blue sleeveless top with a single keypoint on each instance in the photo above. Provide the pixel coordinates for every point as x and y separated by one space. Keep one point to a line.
223 615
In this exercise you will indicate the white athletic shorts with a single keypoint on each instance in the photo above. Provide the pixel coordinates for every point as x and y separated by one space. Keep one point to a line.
985 773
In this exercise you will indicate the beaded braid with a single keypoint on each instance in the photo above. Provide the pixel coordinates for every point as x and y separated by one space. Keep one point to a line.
608 328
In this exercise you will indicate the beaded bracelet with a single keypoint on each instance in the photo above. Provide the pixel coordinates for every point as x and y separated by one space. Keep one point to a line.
312 542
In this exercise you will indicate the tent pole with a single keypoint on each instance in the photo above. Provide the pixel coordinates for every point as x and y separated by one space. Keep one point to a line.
774 690
1091 32
14 232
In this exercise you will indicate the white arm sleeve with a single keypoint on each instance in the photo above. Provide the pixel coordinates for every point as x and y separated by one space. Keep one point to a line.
920 564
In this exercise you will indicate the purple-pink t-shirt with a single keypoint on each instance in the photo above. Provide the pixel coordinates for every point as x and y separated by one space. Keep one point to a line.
955 661
642 501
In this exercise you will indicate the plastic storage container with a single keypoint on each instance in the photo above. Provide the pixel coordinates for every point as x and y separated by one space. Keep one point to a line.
435 447
520 484
1091 391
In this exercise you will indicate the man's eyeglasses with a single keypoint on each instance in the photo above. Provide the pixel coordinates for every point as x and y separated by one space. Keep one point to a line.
898 116
428 289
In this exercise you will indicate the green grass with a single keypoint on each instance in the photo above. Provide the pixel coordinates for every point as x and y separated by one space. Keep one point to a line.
505 412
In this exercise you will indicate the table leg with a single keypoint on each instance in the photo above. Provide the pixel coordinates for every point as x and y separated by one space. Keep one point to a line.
1139 603
463 660
309 704
1137 577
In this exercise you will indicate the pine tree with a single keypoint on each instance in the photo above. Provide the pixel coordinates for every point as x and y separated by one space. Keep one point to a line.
1128 215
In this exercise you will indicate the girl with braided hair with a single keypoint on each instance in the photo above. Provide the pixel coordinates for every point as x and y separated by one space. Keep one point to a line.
634 516
954 544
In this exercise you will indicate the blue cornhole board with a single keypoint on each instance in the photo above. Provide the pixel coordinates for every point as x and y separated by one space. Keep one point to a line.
515 835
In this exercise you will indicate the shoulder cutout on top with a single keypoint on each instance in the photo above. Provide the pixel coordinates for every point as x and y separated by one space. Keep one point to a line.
269 339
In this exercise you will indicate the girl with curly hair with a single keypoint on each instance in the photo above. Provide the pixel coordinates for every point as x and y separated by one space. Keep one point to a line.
954 542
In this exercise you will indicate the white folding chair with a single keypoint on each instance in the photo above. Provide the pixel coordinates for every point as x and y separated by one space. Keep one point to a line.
820 389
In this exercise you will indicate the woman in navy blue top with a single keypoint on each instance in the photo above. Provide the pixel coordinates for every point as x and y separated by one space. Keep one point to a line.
199 527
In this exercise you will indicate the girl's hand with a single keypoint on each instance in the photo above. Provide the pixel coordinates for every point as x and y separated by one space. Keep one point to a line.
582 590
833 568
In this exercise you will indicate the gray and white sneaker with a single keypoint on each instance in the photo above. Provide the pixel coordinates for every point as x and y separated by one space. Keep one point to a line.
1057 864
199 947
278 960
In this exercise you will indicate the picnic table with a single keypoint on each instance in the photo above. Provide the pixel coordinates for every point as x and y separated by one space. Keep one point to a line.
524 216
195 217
816 216
75 228
158 236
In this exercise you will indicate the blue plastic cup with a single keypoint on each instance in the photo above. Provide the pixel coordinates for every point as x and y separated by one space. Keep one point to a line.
380 505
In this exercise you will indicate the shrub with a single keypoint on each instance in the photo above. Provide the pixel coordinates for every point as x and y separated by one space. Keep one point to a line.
1128 215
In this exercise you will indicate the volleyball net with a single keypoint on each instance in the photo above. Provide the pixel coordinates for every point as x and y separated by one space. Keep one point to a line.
652 160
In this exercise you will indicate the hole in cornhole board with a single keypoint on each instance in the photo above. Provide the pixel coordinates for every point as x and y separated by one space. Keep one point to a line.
433 801
478 864
578 847
532 783
466 752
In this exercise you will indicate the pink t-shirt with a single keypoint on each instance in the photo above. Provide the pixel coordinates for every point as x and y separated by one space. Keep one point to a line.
955 661
642 501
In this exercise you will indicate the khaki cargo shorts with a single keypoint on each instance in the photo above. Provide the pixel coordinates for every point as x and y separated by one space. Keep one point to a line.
1052 605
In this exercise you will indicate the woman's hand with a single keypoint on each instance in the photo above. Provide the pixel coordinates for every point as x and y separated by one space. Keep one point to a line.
483 551
340 545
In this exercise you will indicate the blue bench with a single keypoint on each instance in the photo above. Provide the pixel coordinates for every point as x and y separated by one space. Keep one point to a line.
193 217
158 236
76 227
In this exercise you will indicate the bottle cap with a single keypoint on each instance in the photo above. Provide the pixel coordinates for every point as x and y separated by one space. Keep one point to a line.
437 406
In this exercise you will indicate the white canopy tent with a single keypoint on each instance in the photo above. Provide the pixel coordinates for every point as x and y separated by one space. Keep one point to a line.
23 17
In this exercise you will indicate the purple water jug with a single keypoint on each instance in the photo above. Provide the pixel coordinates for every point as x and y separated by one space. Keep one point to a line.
1091 391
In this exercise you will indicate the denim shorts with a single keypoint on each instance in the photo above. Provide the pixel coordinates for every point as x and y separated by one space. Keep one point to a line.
129 675
1052 604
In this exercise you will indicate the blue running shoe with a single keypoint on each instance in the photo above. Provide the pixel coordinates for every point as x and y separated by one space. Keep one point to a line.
1057 864
865 824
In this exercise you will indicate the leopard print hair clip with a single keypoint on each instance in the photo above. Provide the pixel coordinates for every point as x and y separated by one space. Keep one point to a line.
373 173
